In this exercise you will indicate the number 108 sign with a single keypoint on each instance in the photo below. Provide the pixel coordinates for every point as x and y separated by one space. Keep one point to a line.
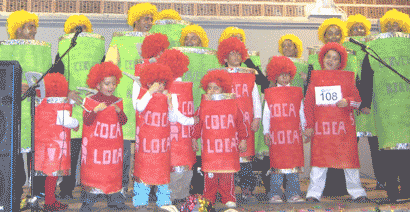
328 95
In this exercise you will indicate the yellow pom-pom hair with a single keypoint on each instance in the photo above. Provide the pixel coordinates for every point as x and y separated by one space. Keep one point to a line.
395 16
329 22
167 14
17 19
198 31
77 20
228 32
295 40
358 19
139 10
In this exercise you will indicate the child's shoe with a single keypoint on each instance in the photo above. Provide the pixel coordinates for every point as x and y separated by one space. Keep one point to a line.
296 199
230 204
56 206
275 199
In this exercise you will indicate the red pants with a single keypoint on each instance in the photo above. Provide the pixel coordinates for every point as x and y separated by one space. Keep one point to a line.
222 182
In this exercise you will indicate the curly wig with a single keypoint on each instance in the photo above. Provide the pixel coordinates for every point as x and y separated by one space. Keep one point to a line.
295 40
176 60
153 44
395 16
229 45
339 49
167 14
329 22
353 19
139 10
100 71
221 77
56 85
198 31
279 65
156 72
77 20
229 31
17 19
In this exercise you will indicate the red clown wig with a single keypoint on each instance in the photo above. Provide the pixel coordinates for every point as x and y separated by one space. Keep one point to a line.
229 45
156 72
279 65
56 85
176 60
100 71
221 77
153 45
339 49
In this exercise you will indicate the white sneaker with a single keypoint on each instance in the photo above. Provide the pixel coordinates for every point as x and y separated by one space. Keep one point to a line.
295 199
230 204
276 199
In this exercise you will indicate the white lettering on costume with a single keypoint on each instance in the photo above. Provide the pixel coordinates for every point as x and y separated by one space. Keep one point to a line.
241 90
219 145
156 119
282 110
107 157
107 131
156 145
330 128
217 122
284 137
84 151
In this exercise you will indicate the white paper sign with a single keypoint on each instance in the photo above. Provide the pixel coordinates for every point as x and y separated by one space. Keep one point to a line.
328 95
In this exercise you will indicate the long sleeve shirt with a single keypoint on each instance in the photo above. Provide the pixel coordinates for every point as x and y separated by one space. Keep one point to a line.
256 100
64 119
266 116
89 117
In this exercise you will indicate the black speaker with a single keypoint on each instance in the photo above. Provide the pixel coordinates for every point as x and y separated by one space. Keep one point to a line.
10 115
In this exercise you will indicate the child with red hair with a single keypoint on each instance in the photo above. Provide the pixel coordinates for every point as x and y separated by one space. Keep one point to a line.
223 134
102 148
283 119
52 137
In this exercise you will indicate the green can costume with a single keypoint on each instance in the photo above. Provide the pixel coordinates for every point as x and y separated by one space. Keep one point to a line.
128 44
171 28
78 61
33 56
391 93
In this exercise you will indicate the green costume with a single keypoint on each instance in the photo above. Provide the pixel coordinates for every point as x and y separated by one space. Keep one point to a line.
171 28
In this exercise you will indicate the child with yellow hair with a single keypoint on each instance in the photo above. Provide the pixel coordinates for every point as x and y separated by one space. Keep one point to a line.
141 16
395 21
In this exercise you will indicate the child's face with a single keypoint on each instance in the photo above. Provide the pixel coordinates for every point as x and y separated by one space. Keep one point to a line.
393 27
357 29
161 86
234 59
283 79
108 85
333 34
331 60
289 49
213 88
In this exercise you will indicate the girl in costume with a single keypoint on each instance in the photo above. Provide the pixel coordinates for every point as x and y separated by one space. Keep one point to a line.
223 134
395 21
281 70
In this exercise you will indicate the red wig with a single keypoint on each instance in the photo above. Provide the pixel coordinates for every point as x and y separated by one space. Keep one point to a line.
100 71
339 49
176 60
56 85
156 72
153 45
279 65
229 45
221 77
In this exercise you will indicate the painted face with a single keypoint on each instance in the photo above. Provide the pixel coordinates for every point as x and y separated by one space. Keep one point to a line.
107 86
83 27
28 31
239 36
333 34
289 49
234 59
161 87
331 61
213 88
357 29
283 79
144 24
192 39
393 27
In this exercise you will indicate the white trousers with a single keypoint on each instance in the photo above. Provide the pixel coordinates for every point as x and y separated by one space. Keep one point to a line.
318 180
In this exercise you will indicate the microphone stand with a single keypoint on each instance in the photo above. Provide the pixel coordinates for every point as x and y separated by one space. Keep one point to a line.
31 92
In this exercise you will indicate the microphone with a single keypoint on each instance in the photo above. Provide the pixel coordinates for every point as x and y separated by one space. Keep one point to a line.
78 30
357 43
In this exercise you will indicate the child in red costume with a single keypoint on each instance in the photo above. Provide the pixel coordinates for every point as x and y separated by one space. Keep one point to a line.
102 148
220 128
330 100
52 142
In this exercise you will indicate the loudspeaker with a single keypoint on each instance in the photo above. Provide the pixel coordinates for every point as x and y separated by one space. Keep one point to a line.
10 114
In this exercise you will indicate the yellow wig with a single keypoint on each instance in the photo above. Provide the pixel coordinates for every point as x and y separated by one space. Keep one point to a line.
329 22
17 19
198 31
395 16
228 32
358 19
77 20
139 10
295 40
167 14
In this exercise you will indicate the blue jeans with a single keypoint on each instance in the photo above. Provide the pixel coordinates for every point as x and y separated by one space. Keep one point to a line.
292 185
141 194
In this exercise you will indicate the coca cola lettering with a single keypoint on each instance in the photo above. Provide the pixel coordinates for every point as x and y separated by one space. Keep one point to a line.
155 145
188 108
107 157
241 90
156 119
282 110
222 145
330 128
284 137
107 131
217 122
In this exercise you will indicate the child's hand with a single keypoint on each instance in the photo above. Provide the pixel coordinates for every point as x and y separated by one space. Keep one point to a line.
255 125
303 76
77 128
24 88
154 88
196 119
100 107
309 132
195 145
242 146
342 103
169 98
365 110
74 95
117 109
267 140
